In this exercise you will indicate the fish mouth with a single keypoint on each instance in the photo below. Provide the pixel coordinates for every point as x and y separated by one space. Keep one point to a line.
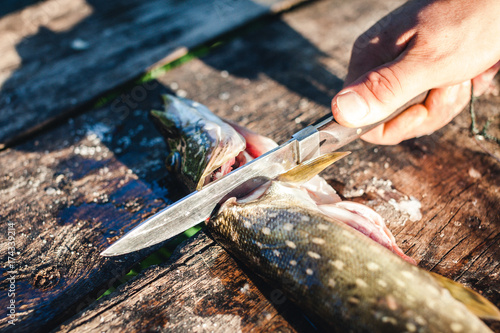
255 145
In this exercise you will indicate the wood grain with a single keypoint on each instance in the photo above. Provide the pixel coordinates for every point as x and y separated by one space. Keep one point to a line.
282 79
201 289
59 55
69 196
453 179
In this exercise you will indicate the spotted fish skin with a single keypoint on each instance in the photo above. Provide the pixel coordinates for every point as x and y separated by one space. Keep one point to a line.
332 271
336 274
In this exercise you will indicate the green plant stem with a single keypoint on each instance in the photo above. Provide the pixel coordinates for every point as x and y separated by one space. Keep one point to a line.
484 131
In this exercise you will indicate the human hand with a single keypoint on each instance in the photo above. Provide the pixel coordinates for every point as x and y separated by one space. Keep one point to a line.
438 45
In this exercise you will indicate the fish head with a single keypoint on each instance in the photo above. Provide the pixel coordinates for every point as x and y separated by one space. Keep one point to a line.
202 147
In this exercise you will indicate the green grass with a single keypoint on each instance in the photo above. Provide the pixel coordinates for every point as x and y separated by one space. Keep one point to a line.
160 71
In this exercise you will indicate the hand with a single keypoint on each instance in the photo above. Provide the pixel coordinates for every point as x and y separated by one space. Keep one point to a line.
438 45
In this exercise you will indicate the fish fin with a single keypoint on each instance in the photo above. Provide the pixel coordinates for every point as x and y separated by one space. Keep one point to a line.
167 99
308 169
157 113
475 302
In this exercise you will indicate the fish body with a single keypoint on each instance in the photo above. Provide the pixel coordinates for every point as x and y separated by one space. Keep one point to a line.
335 259
333 272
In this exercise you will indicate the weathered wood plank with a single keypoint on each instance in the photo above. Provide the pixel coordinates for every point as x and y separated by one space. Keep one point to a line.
60 54
201 290
275 97
456 183
68 196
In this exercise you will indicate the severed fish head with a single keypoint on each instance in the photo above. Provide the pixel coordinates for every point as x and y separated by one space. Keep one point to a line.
202 147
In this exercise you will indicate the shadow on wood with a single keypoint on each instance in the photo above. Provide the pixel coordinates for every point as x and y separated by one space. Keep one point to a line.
60 55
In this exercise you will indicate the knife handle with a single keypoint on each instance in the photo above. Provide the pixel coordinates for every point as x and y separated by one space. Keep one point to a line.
334 136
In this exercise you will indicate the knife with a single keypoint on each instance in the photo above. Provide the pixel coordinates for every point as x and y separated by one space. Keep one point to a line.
309 143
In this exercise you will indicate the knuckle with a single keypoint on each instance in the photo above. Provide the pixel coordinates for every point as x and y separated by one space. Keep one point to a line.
390 139
384 84
381 139
367 44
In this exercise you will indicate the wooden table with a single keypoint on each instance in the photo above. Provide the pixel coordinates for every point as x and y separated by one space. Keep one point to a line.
82 164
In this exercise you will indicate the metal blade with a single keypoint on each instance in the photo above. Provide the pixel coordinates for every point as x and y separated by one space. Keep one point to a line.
198 206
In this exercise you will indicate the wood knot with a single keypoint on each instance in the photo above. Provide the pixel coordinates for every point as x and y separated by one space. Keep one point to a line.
46 278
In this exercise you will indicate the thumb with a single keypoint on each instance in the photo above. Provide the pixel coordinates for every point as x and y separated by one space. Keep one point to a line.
377 94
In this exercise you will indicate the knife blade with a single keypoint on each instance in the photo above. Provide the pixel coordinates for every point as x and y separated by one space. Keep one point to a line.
309 143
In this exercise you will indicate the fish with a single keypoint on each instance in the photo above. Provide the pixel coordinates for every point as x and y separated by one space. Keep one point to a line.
333 272
335 259
202 146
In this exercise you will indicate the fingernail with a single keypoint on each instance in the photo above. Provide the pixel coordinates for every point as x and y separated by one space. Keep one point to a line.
352 107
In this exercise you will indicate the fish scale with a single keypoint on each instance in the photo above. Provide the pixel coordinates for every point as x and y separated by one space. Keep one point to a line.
349 281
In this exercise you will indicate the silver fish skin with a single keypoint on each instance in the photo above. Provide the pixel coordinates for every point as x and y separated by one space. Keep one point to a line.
333 272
